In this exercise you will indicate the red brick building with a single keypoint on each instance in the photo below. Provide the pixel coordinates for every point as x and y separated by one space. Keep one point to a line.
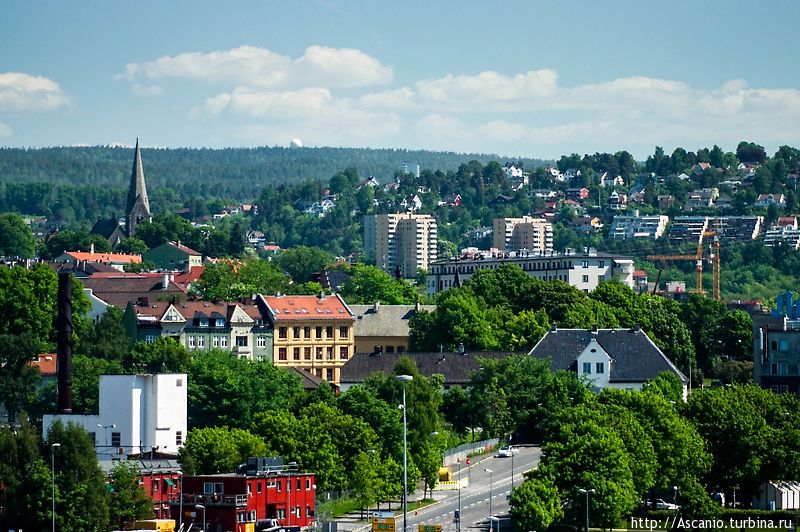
236 502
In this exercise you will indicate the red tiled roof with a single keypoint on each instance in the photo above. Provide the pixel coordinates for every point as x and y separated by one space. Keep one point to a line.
47 363
189 309
639 273
118 289
308 308
104 257
185 278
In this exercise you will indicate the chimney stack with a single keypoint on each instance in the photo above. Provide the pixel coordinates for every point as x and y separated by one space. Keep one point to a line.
64 325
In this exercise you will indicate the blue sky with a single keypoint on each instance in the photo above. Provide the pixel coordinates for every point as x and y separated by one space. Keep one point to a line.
529 78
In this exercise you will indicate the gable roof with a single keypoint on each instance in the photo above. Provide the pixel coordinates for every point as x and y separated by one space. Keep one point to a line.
456 367
634 357
117 289
105 227
309 380
385 320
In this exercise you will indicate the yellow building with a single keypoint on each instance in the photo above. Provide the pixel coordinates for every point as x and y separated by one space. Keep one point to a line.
403 241
512 234
314 333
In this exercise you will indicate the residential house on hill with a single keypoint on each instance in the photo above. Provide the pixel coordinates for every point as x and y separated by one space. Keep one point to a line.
110 229
607 358
577 194
455 367
411 203
314 333
384 328
118 289
173 256
115 260
765 200
452 200
238 327
617 201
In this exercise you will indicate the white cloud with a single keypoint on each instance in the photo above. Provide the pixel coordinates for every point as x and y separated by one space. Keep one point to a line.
146 90
254 66
24 92
488 86
5 130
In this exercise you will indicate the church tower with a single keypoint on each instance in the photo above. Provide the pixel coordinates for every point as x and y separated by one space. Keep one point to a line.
138 207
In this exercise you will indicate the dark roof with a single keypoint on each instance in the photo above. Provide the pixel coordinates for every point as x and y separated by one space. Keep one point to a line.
121 288
309 380
456 367
634 357
384 320
105 227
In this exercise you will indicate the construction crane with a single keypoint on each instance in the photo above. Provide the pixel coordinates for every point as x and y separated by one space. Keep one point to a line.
698 258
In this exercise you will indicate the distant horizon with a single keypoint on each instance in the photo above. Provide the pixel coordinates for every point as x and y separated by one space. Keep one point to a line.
532 78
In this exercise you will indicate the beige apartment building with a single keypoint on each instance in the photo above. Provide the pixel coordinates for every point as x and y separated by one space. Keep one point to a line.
314 333
405 241
513 234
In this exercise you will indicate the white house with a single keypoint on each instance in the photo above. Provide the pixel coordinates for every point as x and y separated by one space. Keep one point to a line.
138 413
607 358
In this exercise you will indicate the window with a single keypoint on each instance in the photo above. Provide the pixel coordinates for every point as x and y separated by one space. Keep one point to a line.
282 332
343 332
218 487
220 322
585 278
280 486
241 341
307 353
308 511
329 375
178 437
601 264
203 322
774 368
191 341
154 486
298 485
773 345
150 338
215 341
319 372
261 341
208 488
296 332
318 332
223 341
319 353
296 353
116 438
600 367
281 513
400 349
330 352
390 349
306 332
308 484
587 367
93 436
201 342
281 353
585 264
329 332
783 344
258 487
343 353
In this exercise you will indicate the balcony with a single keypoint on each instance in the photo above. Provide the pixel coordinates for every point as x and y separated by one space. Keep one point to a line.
217 499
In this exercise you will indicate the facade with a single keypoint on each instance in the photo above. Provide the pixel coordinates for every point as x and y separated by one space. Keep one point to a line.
638 227
581 270
786 236
737 228
384 328
314 333
688 229
403 243
138 205
246 500
138 413
512 234
173 256
776 346
607 358
200 325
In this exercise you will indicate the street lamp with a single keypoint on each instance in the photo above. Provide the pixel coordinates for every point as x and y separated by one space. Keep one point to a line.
405 379
491 473
587 492
201 507
511 450
53 485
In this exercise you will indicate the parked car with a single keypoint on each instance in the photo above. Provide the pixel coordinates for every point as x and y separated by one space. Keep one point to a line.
661 504
506 452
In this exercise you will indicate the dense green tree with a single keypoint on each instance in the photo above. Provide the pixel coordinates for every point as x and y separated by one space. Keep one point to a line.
132 245
105 338
82 498
71 240
26 479
214 450
16 237
535 504
86 372
368 285
229 281
164 355
363 402
128 501
366 479
301 263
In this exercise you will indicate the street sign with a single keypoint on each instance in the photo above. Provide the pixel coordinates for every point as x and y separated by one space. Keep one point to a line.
430 528
383 524
468 462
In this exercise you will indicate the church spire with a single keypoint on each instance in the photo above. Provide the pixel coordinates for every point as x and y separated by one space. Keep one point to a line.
138 207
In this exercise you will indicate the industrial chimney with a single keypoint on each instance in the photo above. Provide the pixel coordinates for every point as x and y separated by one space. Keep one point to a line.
64 325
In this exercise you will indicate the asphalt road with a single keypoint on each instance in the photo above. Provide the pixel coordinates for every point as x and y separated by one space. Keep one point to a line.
475 497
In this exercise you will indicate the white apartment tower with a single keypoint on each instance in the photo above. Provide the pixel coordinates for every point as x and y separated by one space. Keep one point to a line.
404 241
513 234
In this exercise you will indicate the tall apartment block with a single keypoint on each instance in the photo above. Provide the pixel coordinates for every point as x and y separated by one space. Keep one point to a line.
404 241
513 234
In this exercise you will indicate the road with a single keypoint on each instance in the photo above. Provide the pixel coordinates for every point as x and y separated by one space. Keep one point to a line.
475 497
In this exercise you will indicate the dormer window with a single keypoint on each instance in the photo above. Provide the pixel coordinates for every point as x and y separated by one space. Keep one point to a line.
220 322
203 322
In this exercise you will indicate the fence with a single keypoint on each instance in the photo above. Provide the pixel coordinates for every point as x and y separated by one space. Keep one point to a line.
461 452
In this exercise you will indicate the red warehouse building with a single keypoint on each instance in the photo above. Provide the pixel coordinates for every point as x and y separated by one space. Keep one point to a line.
263 489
